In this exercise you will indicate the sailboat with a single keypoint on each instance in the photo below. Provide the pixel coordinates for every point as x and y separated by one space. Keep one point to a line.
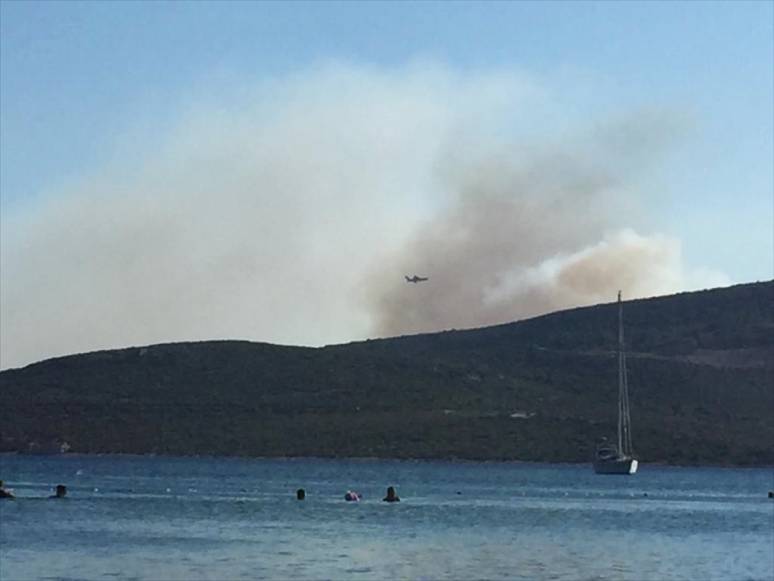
611 458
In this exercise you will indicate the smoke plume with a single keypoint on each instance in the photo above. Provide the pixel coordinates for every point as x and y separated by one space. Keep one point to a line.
290 214
528 234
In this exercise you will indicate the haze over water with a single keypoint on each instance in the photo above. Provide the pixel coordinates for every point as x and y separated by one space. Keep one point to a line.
203 518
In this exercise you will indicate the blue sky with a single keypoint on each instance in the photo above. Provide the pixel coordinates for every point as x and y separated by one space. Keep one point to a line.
84 87
75 74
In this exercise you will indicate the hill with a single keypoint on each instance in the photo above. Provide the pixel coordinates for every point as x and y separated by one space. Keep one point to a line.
701 371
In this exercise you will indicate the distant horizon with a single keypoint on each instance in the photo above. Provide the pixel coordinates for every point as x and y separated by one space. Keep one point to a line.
368 339
541 389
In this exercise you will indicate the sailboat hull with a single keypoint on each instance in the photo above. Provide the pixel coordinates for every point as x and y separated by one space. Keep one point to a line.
616 466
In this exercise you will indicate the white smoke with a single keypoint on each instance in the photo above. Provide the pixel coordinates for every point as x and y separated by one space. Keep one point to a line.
643 266
290 216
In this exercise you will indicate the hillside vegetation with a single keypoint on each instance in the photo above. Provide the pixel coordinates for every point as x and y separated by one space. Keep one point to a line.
701 376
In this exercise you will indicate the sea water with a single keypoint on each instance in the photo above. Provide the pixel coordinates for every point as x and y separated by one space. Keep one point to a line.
160 518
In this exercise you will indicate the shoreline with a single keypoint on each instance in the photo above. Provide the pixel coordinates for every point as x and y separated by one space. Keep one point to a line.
368 459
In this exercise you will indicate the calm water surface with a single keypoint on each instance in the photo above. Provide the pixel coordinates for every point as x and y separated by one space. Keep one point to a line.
203 518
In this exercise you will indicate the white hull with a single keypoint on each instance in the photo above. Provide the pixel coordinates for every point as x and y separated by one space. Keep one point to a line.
616 466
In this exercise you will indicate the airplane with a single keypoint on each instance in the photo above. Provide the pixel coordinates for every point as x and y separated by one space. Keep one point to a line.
415 279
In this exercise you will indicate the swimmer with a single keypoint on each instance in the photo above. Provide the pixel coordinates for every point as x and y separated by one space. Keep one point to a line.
351 496
61 491
391 496
5 493
300 494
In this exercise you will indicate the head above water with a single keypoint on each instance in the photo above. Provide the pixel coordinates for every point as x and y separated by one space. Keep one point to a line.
391 496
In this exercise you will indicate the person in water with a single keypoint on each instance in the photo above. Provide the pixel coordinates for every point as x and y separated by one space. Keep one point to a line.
391 496
300 494
5 493
61 491
351 496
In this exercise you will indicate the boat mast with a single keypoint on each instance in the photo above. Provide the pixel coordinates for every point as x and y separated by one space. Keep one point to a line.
620 375
624 420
